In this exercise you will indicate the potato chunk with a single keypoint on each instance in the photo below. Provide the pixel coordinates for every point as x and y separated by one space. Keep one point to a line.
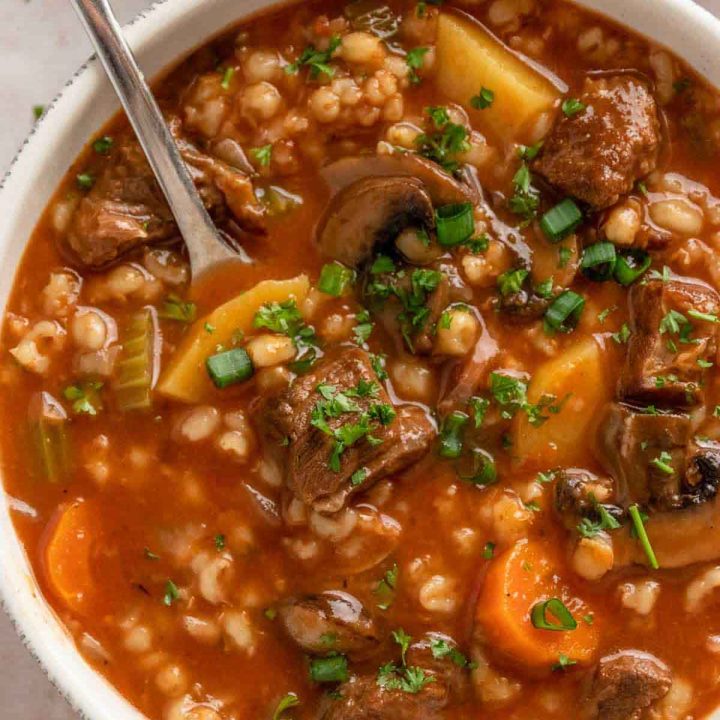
469 58
185 378
576 380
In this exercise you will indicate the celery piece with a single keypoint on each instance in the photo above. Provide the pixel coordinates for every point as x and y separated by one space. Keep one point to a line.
135 369
48 424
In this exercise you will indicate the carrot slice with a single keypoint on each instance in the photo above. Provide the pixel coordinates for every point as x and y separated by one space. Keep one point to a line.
68 554
517 580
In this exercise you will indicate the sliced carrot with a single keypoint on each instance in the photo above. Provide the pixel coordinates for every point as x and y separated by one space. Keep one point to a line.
517 580
68 554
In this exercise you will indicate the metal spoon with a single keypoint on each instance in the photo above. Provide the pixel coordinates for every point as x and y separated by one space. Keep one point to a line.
205 246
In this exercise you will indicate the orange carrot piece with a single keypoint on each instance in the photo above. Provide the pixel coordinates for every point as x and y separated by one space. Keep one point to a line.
68 554
516 581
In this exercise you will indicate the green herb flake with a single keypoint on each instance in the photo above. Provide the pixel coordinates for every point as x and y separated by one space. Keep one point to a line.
175 308
290 700
316 60
85 397
171 593
219 542
484 99
262 154
414 60
571 107
227 77
103 145
489 550
85 181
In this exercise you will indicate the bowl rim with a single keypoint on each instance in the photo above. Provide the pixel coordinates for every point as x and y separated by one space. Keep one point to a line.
687 29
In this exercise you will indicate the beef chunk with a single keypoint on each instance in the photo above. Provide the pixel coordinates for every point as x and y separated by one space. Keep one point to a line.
332 621
667 341
654 461
365 698
577 493
339 396
626 683
597 154
125 207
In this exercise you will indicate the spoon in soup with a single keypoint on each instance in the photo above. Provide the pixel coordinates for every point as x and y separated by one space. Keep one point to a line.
206 247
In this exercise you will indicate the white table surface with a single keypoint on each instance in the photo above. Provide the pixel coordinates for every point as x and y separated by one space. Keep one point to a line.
41 45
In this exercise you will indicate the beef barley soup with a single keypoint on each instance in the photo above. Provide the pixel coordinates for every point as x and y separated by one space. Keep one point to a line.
447 444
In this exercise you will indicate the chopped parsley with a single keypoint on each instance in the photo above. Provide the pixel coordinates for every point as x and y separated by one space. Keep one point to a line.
407 679
526 199
571 107
484 99
529 152
85 181
38 111
378 365
446 141
316 60
171 593
336 404
103 145
511 281
359 477
589 528
622 335
85 397
219 542
662 463
286 319
479 406
262 154
510 394
442 649
175 308
489 550
363 328
414 60
563 662
385 589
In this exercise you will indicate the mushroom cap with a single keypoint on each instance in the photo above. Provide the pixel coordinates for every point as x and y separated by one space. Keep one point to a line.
370 211
442 188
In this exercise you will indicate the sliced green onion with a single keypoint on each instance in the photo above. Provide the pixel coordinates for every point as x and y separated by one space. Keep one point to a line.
703 316
334 278
229 367
454 223
329 669
557 608
560 221
642 536
564 311
450 436
478 468
630 265
598 261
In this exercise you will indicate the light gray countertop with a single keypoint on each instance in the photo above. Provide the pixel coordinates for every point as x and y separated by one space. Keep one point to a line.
42 44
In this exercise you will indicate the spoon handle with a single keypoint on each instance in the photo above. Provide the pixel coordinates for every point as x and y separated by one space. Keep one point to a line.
204 246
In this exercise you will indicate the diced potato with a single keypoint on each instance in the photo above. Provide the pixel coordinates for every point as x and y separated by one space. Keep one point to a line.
185 378
576 378
469 58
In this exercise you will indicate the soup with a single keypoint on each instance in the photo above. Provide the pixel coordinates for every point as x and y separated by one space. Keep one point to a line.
445 442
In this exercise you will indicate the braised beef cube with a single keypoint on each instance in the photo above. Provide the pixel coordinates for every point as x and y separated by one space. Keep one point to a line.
342 431
598 153
577 494
673 334
645 453
331 621
125 207
439 683
626 683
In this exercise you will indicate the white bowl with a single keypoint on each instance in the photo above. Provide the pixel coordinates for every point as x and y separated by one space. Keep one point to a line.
170 29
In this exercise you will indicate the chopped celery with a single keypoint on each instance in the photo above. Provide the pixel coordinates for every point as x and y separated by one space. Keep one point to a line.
49 437
135 370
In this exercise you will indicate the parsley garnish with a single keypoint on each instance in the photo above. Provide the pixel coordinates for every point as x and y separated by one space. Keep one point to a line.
171 593
290 700
571 107
442 649
263 154
103 145
85 397
316 60
414 60
446 142
175 308
526 198
385 589
484 99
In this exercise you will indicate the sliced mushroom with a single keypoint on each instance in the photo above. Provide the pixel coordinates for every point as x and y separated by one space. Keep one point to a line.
443 188
369 212
332 621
